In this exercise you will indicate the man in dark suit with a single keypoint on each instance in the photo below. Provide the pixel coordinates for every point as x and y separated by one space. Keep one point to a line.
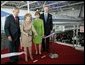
48 25
12 31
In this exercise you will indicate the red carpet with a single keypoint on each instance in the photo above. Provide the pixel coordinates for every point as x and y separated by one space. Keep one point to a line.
67 55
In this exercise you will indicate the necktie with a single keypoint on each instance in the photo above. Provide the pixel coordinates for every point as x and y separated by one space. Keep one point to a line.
45 17
16 19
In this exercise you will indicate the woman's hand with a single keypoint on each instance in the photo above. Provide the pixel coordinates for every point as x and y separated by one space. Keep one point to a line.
36 34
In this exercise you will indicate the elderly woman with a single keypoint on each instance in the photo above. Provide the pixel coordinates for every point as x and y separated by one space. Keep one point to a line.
26 35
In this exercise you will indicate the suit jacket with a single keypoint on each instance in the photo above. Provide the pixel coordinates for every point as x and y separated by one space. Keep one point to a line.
47 25
12 28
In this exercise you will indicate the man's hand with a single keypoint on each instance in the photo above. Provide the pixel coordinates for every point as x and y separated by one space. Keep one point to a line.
51 31
20 43
43 36
9 38
20 38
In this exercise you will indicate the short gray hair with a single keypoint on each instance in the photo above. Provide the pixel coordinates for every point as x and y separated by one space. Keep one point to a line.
45 6
14 8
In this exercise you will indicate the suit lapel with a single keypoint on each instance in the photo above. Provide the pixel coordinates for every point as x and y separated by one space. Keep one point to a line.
43 17
14 21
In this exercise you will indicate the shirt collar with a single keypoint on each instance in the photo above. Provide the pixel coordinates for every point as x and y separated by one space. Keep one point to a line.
45 13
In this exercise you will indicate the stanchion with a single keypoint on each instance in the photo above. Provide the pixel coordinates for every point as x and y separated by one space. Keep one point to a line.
52 55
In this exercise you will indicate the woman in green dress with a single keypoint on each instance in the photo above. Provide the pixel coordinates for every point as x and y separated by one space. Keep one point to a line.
39 27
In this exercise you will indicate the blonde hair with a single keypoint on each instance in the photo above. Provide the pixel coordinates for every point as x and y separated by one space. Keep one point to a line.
27 15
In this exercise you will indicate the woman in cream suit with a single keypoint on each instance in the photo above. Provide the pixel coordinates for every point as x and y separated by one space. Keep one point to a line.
26 35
